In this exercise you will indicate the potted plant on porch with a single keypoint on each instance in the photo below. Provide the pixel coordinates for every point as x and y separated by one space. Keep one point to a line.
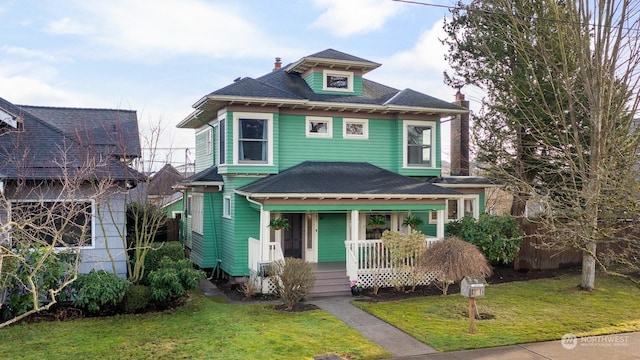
377 221
413 221
279 223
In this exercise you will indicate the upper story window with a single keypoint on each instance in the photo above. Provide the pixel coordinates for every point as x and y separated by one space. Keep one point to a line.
253 138
334 80
222 141
319 127
63 224
419 144
355 129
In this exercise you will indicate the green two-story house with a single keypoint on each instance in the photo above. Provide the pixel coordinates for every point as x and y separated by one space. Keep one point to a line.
318 144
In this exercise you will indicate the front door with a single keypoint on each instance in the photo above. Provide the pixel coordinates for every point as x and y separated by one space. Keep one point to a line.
292 238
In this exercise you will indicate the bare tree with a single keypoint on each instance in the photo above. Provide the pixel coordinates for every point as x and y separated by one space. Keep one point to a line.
44 225
567 90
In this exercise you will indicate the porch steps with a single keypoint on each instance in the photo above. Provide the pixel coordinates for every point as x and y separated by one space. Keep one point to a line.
330 283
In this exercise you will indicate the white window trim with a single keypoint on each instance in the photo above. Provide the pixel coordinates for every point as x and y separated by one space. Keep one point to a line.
259 116
405 143
476 208
226 200
311 119
219 143
348 74
94 219
197 213
365 128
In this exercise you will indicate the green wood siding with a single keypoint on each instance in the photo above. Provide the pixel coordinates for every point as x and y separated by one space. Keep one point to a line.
379 149
332 233
205 246
244 223
204 159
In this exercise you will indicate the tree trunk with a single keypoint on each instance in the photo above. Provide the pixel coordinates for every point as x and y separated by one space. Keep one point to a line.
589 267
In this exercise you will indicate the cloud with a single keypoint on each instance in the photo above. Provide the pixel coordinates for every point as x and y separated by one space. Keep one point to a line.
344 18
24 90
67 26
161 28
25 53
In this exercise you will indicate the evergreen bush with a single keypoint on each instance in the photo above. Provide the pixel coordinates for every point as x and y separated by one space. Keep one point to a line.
99 291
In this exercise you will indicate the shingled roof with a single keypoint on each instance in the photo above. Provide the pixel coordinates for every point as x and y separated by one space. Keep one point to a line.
312 178
41 151
110 131
286 87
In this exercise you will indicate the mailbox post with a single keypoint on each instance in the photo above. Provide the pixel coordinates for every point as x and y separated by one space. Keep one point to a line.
472 286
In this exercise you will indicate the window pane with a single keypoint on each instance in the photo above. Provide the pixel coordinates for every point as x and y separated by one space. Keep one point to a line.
452 206
318 127
419 145
253 150
468 207
355 129
338 82
223 143
253 129
253 140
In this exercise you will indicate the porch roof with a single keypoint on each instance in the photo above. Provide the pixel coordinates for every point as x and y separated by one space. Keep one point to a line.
207 177
342 179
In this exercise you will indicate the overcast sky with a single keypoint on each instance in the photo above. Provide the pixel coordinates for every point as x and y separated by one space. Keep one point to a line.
160 56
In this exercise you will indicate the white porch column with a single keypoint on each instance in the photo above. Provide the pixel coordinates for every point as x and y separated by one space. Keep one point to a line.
440 224
265 234
355 225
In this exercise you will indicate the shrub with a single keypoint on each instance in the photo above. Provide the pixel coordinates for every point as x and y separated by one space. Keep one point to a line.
46 269
451 259
99 291
293 280
136 299
403 249
173 279
498 237
172 249
251 286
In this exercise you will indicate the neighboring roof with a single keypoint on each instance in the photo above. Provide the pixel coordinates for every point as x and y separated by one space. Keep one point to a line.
205 177
286 88
341 178
40 151
110 131
163 181
463 181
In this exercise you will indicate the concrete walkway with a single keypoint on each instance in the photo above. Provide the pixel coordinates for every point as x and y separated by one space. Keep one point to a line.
389 337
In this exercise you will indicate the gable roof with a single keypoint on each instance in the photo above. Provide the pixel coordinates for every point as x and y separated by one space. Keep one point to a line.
286 88
163 181
41 151
206 177
110 131
327 179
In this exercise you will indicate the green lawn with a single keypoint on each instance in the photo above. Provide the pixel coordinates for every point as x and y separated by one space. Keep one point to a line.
204 329
524 312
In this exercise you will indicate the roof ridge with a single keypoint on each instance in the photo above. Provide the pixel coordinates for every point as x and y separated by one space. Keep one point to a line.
71 108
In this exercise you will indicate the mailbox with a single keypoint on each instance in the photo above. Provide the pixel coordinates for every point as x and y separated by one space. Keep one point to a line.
472 286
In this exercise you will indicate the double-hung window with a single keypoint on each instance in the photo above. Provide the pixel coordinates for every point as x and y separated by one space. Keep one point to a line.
197 212
419 144
253 138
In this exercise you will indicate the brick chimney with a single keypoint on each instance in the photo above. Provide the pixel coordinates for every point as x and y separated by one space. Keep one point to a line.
278 64
460 139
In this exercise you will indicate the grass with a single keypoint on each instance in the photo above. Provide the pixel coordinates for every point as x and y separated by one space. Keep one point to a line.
524 312
205 328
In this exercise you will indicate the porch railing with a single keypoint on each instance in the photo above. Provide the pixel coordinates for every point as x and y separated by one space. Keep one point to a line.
370 262
273 253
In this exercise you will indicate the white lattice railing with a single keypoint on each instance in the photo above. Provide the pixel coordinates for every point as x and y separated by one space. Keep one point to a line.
369 262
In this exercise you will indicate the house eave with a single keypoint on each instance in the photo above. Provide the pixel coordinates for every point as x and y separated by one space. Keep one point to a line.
185 186
337 196
218 102
306 63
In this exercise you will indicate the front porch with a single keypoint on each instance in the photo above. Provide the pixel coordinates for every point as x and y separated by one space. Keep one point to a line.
367 261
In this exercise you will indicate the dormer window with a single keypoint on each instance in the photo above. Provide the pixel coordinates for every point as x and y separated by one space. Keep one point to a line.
333 80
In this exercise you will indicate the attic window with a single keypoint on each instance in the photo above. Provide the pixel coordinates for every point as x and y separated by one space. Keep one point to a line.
333 80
